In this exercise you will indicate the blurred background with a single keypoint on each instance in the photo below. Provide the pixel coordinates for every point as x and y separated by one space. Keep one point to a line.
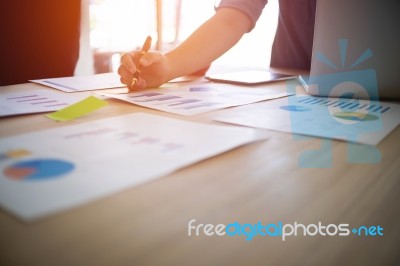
111 27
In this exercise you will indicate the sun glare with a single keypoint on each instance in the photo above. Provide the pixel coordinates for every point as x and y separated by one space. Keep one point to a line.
122 25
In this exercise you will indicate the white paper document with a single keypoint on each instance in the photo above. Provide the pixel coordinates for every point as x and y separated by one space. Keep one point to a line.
359 121
52 170
37 101
197 99
83 83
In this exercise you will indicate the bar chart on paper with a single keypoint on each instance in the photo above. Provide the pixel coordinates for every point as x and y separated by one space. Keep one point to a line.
198 99
361 121
37 101
173 102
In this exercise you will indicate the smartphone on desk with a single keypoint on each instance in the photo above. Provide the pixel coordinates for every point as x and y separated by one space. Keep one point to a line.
249 77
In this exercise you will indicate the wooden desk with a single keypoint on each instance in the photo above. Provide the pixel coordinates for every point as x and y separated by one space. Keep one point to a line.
147 225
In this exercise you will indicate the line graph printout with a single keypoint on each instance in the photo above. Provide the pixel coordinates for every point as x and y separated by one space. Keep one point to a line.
52 170
37 101
197 99
360 121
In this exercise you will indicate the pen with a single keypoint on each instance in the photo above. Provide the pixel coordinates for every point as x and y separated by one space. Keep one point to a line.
143 51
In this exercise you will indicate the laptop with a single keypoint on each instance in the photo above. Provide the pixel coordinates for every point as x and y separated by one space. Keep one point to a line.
356 50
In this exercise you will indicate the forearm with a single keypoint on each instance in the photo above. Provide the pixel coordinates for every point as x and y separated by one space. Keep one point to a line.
208 42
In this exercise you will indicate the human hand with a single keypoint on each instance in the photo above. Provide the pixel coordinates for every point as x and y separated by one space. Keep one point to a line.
153 70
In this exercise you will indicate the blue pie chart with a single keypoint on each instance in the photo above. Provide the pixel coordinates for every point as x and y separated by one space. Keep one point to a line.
38 169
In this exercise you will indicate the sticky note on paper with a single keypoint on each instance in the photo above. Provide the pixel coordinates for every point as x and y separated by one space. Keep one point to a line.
78 109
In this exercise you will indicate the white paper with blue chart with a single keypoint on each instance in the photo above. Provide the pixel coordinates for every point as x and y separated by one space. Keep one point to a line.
52 170
359 121
197 99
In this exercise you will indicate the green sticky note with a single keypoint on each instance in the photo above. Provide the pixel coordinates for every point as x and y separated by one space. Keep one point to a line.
78 109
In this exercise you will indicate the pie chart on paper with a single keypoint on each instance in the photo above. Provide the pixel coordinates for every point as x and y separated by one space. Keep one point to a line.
38 169
355 116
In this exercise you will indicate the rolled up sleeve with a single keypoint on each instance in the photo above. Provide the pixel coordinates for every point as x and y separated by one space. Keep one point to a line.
252 8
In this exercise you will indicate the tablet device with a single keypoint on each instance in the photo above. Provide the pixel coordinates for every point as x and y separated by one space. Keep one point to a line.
249 77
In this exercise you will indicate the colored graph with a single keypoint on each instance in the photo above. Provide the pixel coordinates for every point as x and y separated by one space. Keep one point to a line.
153 99
355 116
36 99
197 99
347 104
38 169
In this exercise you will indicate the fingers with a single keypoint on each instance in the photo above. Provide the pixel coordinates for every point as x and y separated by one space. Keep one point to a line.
128 69
128 60
127 78
128 63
